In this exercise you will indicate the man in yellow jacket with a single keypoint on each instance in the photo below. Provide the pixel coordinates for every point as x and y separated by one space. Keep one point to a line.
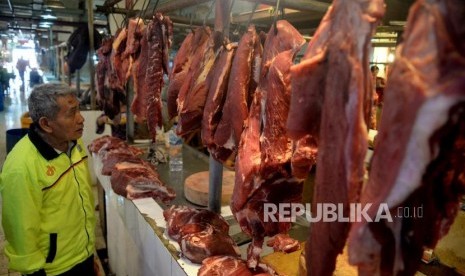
48 207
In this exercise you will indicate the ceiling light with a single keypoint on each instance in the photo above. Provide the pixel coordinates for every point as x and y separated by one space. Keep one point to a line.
45 25
48 16
57 4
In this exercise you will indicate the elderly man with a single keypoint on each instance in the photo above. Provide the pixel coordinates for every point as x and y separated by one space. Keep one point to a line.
48 208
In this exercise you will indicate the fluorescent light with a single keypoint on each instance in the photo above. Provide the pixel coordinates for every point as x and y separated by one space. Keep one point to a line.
45 24
48 16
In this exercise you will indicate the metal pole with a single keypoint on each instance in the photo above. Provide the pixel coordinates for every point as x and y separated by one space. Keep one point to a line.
215 185
78 81
129 115
58 64
90 13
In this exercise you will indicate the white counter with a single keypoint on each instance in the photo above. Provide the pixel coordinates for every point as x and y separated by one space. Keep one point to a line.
136 240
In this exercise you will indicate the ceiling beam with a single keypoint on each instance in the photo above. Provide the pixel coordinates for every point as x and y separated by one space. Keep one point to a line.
110 3
186 21
106 10
169 6
165 7
38 20
36 29
300 5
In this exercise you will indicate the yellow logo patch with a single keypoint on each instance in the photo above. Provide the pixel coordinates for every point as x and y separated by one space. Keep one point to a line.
50 170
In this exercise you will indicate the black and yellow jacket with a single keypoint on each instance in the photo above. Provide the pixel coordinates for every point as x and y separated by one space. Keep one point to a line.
48 207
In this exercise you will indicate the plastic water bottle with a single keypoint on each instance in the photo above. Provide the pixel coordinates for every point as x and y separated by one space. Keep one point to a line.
175 150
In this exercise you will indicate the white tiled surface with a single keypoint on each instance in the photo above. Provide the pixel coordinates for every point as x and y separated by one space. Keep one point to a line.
133 246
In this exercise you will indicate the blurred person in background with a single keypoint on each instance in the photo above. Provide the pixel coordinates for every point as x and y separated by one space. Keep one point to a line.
378 83
21 66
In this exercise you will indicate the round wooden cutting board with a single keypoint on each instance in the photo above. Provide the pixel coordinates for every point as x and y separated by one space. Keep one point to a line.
196 188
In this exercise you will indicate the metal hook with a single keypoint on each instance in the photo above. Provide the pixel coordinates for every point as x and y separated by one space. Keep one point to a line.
141 13
276 18
208 13
232 5
190 22
236 31
154 7
253 12
116 22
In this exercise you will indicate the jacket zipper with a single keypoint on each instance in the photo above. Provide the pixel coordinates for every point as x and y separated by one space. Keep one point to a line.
82 200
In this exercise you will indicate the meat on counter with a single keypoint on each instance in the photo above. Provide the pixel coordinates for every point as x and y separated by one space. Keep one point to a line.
131 176
200 233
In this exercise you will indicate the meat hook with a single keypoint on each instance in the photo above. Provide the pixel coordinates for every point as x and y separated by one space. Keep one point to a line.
208 13
276 18
236 31
251 15
154 7
144 11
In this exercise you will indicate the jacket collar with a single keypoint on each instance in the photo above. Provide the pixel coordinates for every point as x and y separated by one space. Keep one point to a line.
47 151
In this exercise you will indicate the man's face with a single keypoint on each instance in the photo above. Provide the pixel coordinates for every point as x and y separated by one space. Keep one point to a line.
69 123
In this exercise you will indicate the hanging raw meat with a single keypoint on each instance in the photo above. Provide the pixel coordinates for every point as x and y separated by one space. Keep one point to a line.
110 94
420 152
177 76
186 68
141 92
304 156
217 81
193 93
159 39
241 86
120 61
102 69
135 31
263 163
335 112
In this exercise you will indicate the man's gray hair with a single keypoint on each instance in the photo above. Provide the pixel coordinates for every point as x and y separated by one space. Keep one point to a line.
43 100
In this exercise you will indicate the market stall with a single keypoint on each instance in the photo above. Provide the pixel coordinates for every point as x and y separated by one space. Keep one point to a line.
274 108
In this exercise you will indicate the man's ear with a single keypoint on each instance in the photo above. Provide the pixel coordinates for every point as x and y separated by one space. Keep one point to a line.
44 124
